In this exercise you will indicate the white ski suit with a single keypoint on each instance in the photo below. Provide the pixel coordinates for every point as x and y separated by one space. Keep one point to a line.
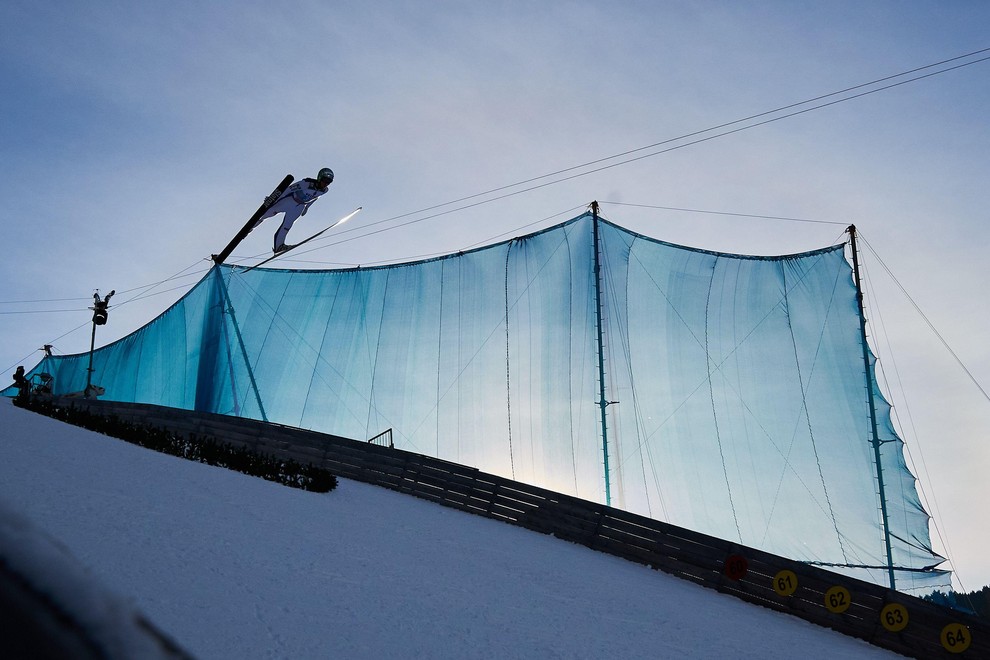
294 202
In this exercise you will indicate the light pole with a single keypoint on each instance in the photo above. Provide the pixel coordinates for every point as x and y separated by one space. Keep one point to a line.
100 316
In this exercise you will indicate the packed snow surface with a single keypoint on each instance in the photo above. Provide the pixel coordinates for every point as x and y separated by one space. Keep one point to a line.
232 566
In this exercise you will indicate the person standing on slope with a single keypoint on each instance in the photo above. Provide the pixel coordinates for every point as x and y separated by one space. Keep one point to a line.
22 384
294 202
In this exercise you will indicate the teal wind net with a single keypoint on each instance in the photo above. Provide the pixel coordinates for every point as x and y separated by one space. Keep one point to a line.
735 390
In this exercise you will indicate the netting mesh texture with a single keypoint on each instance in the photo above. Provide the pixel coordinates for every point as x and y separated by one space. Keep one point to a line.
736 391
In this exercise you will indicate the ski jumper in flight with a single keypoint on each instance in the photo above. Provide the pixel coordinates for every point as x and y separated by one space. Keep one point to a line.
294 202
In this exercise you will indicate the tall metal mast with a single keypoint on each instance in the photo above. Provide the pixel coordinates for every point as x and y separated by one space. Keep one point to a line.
602 401
875 436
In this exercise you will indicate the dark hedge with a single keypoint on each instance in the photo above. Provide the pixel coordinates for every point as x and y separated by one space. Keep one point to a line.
204 449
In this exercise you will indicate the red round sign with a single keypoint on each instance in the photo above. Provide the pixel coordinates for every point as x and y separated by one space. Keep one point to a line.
736 567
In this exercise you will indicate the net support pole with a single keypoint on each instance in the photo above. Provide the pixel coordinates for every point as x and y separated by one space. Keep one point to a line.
874 435
89 369
602 401
228 308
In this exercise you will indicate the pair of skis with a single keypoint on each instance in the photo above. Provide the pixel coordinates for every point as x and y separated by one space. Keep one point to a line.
249 225
246 229
290 248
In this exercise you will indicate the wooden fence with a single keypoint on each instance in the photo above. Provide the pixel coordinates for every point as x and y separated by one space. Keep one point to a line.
889 619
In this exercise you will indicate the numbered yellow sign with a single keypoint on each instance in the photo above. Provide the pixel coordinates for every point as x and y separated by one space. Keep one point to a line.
837 600
956 638
785 583
894 617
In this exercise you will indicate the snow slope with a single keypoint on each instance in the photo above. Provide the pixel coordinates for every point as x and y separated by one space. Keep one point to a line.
235 567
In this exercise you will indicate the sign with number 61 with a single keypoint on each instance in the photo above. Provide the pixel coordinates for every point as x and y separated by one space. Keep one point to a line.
785 583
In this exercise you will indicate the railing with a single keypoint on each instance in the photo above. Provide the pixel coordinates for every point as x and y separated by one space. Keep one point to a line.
885 618
384 439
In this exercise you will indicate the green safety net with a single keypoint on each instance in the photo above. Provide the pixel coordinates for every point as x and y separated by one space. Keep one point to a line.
735 389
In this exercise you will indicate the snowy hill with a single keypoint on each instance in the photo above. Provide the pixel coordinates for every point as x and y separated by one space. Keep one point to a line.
235 567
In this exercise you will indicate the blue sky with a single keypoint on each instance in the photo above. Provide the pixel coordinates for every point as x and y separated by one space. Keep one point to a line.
136 138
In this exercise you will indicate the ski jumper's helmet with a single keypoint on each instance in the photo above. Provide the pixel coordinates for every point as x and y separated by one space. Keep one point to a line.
325 177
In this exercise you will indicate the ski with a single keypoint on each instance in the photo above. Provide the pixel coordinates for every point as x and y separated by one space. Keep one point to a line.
246 229
290 248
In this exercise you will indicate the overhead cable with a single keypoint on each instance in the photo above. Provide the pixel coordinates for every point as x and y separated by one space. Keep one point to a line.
686 136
